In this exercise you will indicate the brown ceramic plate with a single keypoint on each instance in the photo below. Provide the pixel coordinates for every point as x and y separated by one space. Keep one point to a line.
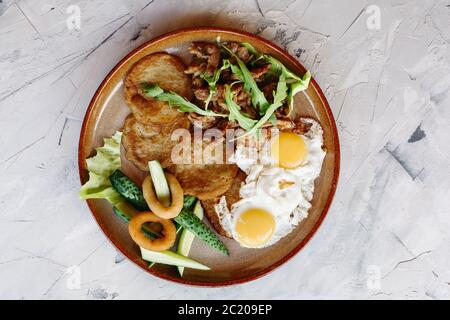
106 114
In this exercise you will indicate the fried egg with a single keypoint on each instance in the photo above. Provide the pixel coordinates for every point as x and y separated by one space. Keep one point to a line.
278 190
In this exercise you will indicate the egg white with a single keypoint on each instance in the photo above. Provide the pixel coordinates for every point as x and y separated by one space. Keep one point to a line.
265 187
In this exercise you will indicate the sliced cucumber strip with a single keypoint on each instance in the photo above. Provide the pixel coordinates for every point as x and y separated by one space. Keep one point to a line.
189 202
128 189
190 221
159 182
121 215
126 210
187 237
171 258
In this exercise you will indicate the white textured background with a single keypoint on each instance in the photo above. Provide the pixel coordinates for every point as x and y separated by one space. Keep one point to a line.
387 233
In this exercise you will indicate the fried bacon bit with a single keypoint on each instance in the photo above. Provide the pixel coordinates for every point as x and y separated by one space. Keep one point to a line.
205 51
298 126
196 68
224 124
201 93
281 124
268 90
198 82
240 51
217 101
240 96
282 112
200 121
257 72
227 76
301 127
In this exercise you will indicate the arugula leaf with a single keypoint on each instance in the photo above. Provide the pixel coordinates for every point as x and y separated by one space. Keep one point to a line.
237 72
257 55
252 50
281 93
100 167
212 80
258 98
151 91
297 87
235 114
296 84
175 100
208 99
278 68
278 97
183 105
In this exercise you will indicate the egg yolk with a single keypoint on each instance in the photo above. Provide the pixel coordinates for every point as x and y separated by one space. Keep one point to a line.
289 150
255 227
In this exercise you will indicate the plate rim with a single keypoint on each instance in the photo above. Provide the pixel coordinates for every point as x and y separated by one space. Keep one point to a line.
296 249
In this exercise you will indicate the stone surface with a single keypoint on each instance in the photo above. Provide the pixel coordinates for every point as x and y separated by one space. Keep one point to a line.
386 235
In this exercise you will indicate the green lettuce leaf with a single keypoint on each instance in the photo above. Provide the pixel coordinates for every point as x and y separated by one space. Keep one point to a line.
175 100
100 167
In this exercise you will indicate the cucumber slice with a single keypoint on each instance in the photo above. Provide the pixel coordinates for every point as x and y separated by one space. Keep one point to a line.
190 221
159 182
171 258
128 189
187 237
126 210
133 194
121 215
189 202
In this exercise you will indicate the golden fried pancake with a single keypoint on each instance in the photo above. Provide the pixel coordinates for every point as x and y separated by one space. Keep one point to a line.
143 143
205 181
164 69
209 177
232 196
155 112
168 72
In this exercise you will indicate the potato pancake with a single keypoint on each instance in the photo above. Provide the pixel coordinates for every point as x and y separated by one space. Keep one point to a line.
162 69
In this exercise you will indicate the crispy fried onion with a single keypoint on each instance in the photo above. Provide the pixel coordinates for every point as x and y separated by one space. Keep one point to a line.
168 232
152 201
